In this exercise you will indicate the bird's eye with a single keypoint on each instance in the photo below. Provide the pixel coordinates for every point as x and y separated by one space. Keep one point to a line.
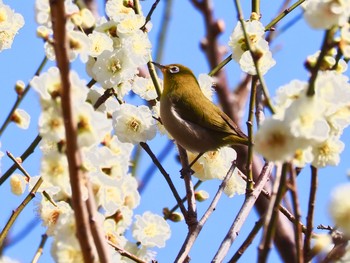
174 69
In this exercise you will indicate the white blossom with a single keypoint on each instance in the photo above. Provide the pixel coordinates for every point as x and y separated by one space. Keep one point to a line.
265 62
117 9
151 230
99 43
54 170
323 14
66 250
275 141
305 118
206 84
288 93
133 124
144 88
50 213
51 126
213 164
255 31
130 24
92 126
138 47
241 53
327 152
112 68
10 24
236 184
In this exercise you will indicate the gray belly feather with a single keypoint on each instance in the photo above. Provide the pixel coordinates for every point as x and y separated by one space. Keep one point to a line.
189 135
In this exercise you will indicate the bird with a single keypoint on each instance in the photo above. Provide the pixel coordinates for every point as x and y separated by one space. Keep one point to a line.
196 124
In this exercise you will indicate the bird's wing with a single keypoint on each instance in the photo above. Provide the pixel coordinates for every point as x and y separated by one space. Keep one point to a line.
206 115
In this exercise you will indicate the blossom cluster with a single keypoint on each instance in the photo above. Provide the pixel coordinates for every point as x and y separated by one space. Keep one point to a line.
10 24
307 129
311 116
259 47
106 132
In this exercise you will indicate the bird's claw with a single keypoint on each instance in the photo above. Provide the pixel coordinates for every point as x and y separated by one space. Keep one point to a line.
186 171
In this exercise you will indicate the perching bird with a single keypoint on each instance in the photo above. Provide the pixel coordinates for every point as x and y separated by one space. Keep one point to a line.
191 118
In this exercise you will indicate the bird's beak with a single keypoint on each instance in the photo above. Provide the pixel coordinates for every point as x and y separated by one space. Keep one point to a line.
161 67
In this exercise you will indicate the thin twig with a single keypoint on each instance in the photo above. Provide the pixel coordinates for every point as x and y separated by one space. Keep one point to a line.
285 212
296 208
256 7
192 235
154 77
310 211
149 15
104 97
247 241
125 253
271 215
17 212
191 218
152 168
24 232
24 156
19 165
282 209
282 15
259 106
222 64
20 97
271 34
288 25
184 199
243 213
137 6
324 227
166 176
326 46
40 249
250 127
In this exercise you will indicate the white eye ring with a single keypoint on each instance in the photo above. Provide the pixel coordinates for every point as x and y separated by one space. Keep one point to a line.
174 69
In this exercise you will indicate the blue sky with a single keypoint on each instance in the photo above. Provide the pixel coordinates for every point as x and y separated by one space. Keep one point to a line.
182 46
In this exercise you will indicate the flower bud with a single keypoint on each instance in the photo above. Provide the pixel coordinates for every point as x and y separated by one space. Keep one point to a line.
18 184
176 217
201 195
21 118
19 87
43 32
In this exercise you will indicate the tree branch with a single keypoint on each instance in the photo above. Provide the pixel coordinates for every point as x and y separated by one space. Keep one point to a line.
78 178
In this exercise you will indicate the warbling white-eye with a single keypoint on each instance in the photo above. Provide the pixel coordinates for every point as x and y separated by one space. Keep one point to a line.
190 117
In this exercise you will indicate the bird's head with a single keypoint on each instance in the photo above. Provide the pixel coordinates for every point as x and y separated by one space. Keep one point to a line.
174 71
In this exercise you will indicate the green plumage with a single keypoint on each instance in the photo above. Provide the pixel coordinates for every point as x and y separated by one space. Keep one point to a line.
190 117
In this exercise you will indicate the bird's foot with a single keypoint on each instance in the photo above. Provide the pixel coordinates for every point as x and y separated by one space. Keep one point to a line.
186 171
